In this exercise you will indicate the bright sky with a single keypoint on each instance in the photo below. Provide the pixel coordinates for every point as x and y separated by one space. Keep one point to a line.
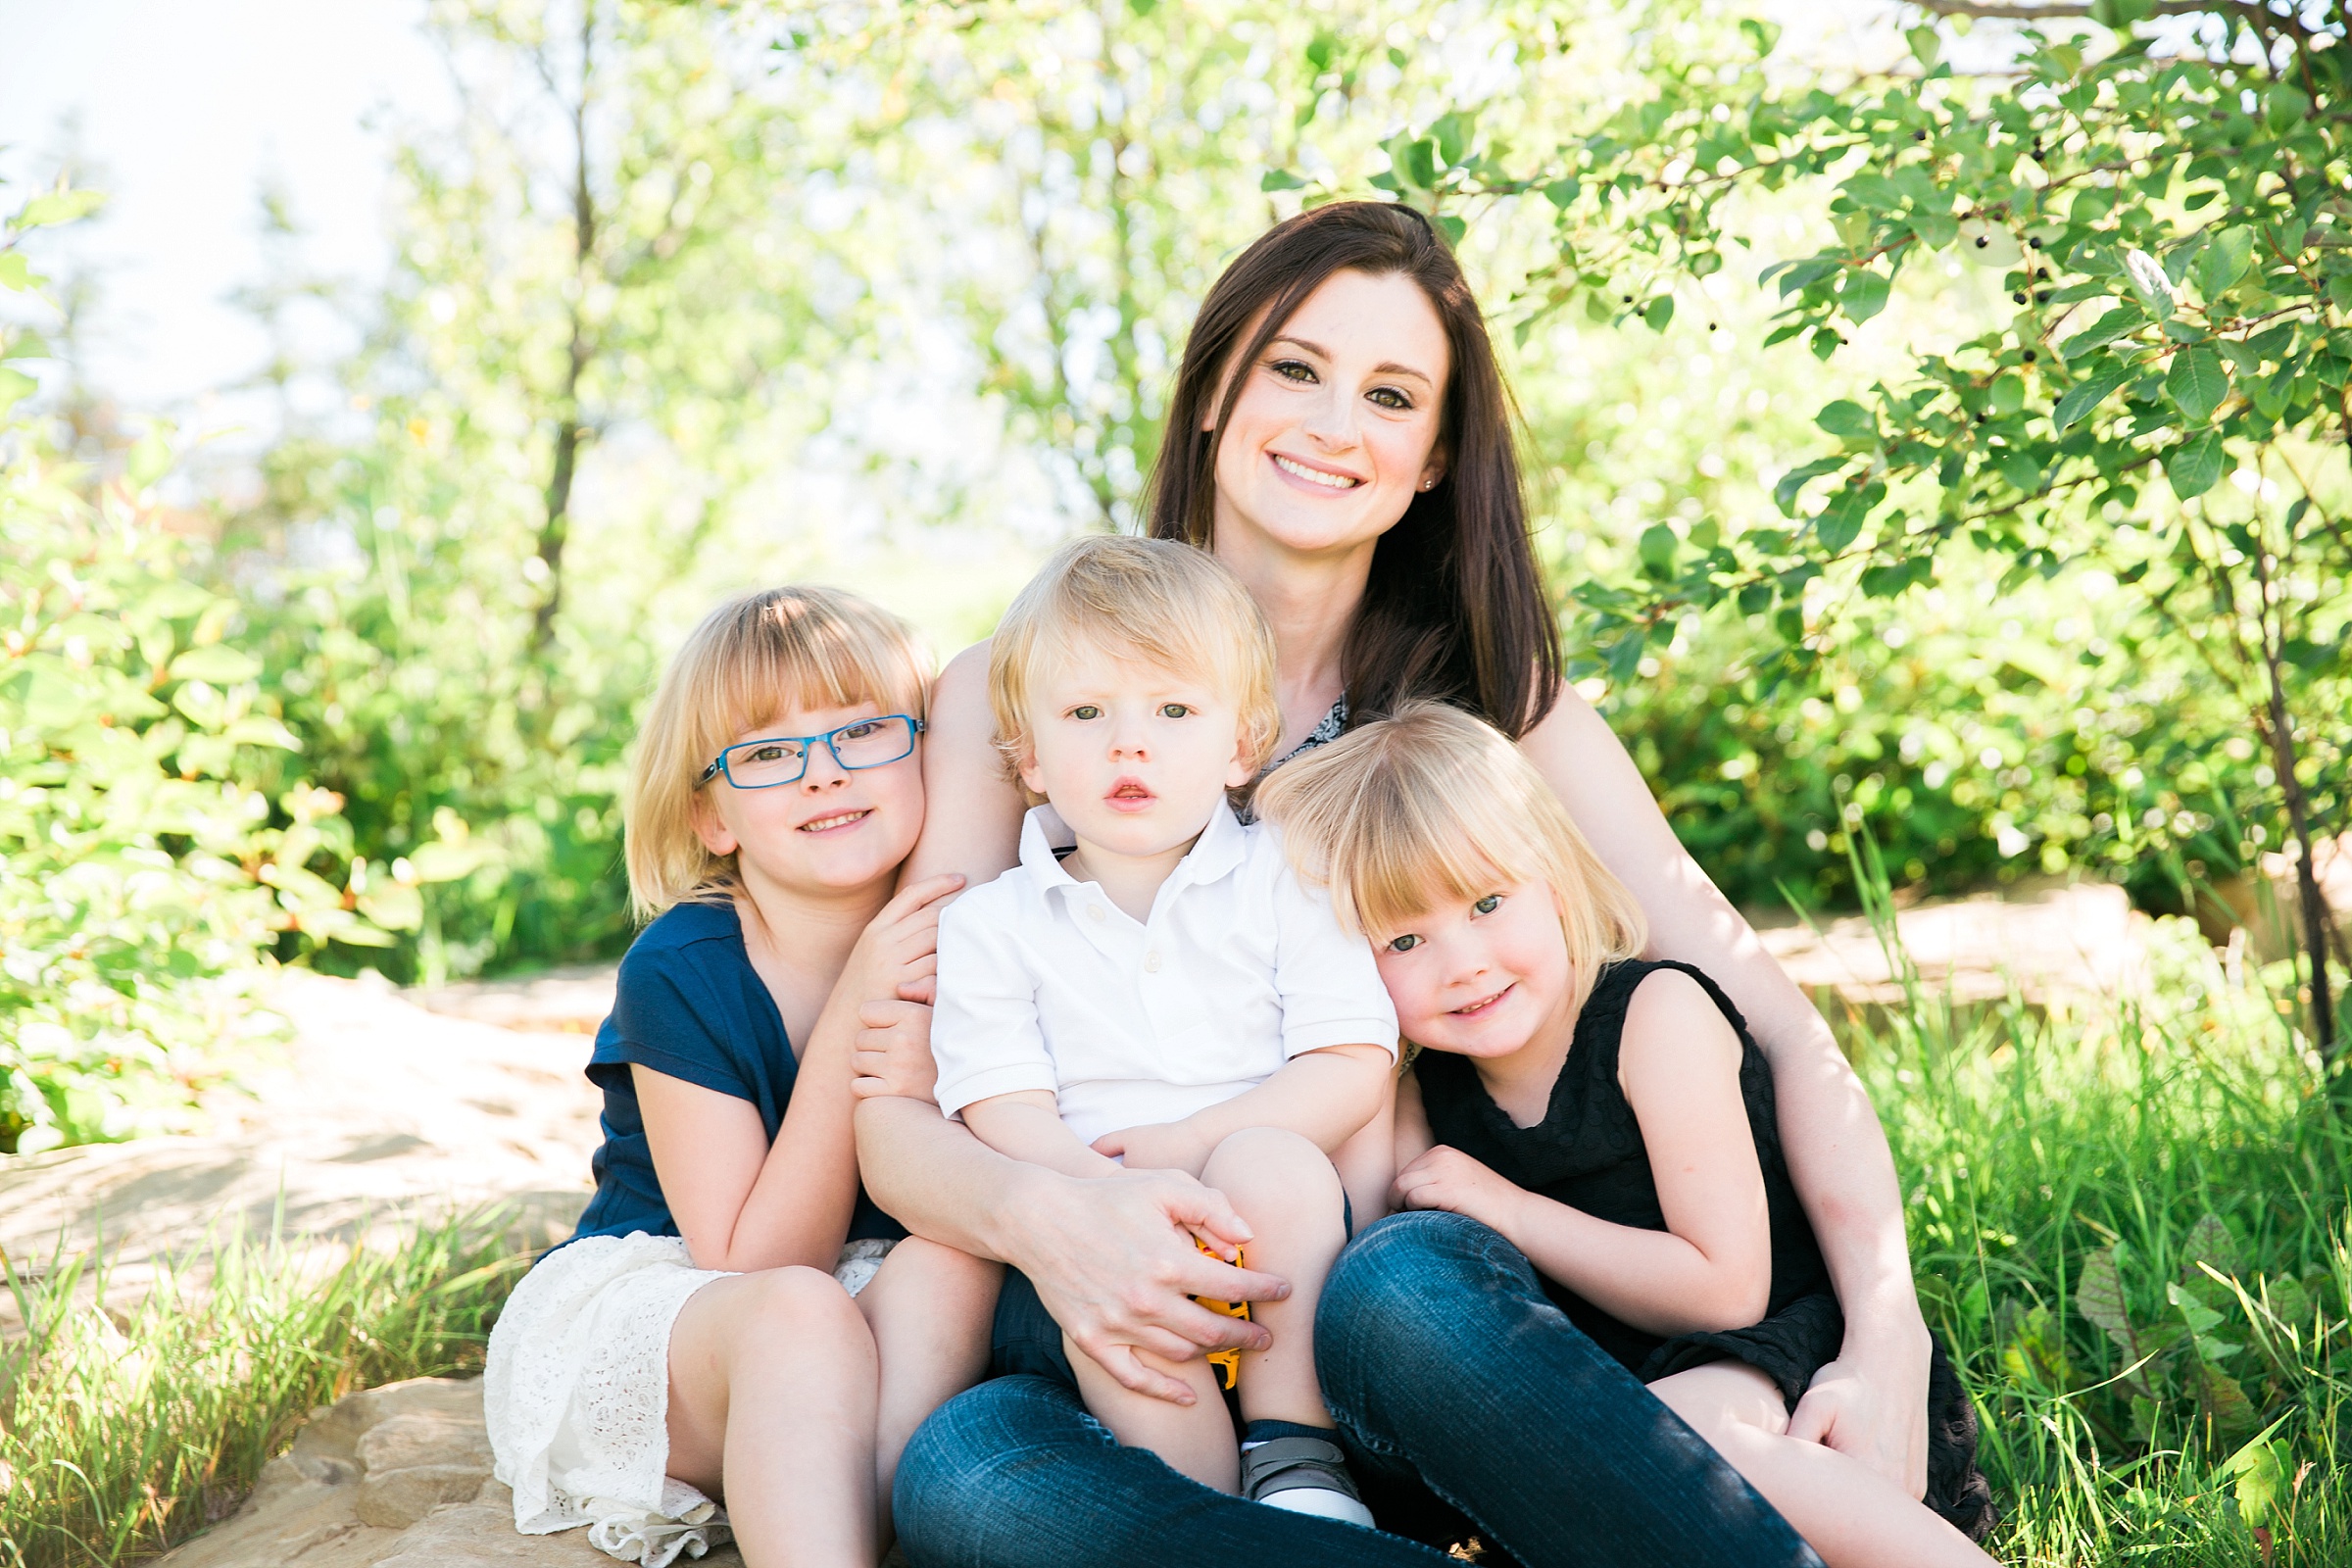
181 112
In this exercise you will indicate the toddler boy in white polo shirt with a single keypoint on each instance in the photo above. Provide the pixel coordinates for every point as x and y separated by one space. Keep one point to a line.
1152 986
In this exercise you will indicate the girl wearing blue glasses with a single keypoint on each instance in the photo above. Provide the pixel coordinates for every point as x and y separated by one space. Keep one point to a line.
734 1322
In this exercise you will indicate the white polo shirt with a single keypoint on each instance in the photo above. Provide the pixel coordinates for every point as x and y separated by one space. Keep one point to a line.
1044 982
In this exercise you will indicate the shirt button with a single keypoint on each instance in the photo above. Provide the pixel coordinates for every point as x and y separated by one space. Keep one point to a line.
1094 911
1150 963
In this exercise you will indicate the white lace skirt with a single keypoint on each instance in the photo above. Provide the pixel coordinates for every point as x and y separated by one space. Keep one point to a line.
576 1394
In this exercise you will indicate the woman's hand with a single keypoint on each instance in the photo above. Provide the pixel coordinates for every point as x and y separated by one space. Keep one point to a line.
1874 1410
1446 1178
1160 1146
1113 1261
897 955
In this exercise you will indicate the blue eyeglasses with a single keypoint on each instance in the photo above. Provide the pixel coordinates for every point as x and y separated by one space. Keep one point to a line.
784 759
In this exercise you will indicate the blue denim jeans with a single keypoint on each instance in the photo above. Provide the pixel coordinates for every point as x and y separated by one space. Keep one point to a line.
1468 1403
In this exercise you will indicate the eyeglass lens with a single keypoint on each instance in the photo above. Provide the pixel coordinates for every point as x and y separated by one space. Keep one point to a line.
869 743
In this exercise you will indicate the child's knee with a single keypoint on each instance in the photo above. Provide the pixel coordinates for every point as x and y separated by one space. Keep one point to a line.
1272 1162
802 1302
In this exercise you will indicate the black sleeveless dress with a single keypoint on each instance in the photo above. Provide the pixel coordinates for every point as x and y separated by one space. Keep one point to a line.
1586 1153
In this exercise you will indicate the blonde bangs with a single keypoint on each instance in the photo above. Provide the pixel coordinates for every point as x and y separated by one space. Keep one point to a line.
1433 807
751 661
1152 601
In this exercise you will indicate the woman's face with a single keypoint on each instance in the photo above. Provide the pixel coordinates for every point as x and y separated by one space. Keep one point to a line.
1336 426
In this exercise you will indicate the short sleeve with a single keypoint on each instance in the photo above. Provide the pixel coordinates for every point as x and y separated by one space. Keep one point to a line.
1327 980
985 1035
667 1017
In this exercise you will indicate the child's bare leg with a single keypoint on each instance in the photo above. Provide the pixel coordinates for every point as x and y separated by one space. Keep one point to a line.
1287 1190
771 1408
1196 1440
930 1308
1849 1513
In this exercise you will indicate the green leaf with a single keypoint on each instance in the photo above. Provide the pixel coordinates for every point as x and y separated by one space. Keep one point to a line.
1761 35
150 457
2284 108
2198 383
2224 260
2099 1294
1658 547
1926 47
1848 421
15 387
1281 180
59 207
2088 395
15 270
1452 134
2116 323
1561 193
2195 467
2261 1472
1874 192
2209 1241
1863 294
1420 164
1658 313
217 663
1794 482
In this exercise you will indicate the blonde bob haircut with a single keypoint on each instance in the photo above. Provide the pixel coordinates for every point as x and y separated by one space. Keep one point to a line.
751 661
1430 807
1153 601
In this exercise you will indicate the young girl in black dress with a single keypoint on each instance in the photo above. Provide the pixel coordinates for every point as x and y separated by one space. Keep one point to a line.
1608 1117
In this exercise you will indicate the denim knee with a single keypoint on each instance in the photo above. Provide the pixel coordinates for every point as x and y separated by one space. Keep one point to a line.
973 1467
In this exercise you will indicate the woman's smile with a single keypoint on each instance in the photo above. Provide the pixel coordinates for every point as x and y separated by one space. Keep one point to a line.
1320 478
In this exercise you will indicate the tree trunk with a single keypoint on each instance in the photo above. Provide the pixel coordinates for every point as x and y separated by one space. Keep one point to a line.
2316 924
570 431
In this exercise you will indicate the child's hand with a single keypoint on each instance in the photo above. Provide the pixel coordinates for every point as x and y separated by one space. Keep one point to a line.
892 1053
1446 1178
897 955
1161 1145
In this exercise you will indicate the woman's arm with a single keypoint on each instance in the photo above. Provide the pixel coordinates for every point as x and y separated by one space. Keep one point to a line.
1872 1401
1711 1268
971 811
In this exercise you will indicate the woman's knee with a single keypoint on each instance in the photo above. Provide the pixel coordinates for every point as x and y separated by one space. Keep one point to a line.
1420 1294
975 1462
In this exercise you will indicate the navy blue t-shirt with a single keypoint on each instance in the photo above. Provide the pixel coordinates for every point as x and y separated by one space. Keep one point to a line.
689 1004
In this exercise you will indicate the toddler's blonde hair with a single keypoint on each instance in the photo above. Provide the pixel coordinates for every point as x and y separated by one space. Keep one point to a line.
750 661
1432 807
1152 599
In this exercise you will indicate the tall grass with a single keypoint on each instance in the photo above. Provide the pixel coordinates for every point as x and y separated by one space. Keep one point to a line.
2131 1226
125 1430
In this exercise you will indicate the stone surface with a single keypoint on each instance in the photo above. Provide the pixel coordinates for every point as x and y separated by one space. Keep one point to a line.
393 1476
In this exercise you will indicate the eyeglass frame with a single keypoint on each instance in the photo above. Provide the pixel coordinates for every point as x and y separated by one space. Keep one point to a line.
719 765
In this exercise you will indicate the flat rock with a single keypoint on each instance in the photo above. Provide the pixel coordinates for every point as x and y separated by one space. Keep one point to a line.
398 1476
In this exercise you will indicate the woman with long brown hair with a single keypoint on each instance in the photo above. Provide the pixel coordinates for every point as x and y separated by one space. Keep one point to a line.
1342 438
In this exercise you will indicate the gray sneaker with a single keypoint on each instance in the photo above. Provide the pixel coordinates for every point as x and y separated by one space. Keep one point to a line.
1302 1475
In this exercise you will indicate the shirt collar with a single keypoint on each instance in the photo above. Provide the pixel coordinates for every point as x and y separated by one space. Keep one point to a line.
1222 846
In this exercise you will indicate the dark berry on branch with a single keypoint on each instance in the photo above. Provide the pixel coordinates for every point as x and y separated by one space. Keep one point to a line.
2018 296
2028 356
2042 297
1981 242
2034 243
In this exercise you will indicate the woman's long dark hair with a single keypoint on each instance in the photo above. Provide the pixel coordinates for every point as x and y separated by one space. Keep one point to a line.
1455 609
